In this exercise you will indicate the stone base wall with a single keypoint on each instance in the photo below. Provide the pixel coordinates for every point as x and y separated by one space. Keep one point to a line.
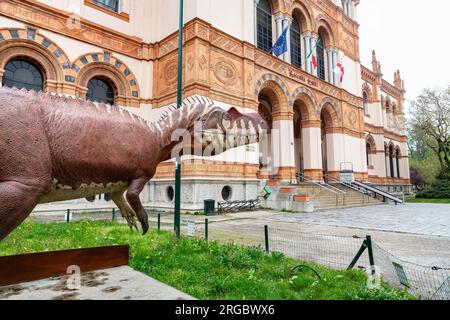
195 191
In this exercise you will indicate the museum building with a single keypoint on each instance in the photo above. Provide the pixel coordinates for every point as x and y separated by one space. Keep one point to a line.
124 52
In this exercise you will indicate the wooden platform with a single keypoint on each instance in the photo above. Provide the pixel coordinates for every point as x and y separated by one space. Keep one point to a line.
37 266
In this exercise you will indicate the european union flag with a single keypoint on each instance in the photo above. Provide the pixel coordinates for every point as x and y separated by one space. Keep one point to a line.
281 46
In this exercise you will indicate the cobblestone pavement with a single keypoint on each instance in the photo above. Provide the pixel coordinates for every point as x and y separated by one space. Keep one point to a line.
425 219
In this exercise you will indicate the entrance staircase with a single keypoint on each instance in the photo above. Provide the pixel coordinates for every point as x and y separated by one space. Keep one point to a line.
310 196
335 196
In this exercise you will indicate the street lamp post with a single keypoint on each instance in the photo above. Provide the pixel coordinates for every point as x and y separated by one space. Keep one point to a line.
177 217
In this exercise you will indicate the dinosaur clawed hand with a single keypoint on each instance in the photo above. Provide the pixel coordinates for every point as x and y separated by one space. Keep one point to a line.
130 217
145 226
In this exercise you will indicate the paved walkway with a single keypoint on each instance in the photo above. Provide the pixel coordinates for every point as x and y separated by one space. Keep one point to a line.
426 219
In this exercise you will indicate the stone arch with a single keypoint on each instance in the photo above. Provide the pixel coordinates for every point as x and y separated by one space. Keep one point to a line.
371 142
366 89
302 11
104 65
324 27
394 108
371 150
387 104
29 44
329 105
275 5
276 90
308 100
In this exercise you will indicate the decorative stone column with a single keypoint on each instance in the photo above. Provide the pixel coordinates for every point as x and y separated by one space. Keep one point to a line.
388 165
307 40
283 149
287 24
331 65
312 150
255 19
279 26
125 6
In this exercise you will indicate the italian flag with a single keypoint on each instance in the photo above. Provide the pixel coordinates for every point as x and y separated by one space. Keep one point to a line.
312 57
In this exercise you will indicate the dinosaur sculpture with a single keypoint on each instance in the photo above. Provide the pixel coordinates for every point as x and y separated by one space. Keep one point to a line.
56 149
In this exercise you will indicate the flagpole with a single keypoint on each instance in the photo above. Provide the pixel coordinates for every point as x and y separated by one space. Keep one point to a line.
177 216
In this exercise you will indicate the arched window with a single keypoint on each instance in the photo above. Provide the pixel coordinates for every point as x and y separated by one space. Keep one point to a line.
320 59
112 5
365 103
391 161
264 25
23 74
100 90
344 6
296 48
368 154
397 159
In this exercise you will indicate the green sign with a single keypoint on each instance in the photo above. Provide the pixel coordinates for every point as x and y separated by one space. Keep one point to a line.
266 192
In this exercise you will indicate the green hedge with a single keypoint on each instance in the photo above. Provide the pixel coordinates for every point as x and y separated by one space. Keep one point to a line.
438 190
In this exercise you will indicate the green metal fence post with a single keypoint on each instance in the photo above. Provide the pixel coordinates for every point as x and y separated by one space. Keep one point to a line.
206 229
114 214
177 215
159 222
266 238
358 255
371 257
68 216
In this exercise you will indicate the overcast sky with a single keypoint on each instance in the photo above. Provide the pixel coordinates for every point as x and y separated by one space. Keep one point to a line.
410 35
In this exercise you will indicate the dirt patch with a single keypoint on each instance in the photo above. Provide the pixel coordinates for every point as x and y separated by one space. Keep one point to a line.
111 289
94 279
11 291
90 280
67 296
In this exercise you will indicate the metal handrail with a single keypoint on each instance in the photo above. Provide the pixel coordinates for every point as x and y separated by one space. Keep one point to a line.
333 187
347 185
320 185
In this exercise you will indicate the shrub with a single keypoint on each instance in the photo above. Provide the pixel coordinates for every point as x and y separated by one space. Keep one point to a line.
440 189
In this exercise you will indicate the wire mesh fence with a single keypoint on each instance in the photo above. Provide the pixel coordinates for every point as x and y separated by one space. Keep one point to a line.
428 282
336 252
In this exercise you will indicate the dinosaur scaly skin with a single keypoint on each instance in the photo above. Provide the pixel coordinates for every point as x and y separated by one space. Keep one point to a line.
56 149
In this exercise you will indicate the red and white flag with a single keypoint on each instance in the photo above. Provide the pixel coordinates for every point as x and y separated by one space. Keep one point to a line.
340 71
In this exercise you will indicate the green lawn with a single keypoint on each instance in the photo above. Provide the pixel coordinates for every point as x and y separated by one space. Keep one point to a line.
416 200
203 270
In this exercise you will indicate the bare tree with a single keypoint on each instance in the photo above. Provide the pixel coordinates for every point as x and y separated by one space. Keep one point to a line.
430 123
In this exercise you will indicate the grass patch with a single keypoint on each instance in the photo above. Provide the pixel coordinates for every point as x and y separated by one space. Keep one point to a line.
203 270
438 201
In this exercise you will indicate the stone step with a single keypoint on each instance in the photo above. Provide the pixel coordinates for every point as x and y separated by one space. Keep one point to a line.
324 208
